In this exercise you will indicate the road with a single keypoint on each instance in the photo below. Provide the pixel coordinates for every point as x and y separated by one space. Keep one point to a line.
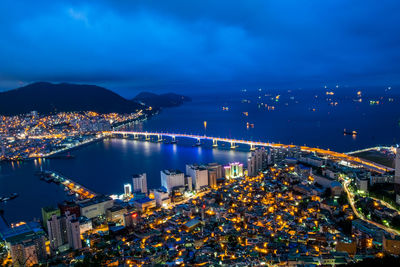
350 197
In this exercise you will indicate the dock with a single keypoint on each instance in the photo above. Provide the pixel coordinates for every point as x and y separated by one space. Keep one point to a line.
69 184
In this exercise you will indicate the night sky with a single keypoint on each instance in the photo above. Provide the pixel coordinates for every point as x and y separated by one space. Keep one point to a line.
198 45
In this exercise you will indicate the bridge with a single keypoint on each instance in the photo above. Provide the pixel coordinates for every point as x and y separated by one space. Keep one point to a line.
376 148
253 144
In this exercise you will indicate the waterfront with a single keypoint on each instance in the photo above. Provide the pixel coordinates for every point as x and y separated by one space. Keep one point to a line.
102 167
106 165
292 121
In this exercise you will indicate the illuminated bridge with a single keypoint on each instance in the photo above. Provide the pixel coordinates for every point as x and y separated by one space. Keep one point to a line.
376 148
235 142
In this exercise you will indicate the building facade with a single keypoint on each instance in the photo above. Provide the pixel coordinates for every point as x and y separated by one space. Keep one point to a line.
64 231
199 176
233 170
26 243
96 206
257 161
139 182
171 179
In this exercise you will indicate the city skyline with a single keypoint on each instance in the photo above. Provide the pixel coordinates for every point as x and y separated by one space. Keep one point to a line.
199 133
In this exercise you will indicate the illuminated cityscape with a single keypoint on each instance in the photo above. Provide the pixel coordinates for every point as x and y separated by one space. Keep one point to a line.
199 133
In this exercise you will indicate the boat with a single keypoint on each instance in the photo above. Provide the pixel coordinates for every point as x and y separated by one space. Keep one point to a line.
346 132
10 197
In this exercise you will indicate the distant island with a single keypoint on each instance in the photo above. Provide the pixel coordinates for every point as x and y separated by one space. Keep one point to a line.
47 98
161 100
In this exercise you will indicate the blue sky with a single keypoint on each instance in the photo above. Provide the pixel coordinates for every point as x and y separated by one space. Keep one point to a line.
200 45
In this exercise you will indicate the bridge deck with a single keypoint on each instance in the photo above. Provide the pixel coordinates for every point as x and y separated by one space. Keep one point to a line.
355 160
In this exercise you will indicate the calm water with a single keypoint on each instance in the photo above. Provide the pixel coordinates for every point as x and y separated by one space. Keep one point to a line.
103 167
302 118
292 121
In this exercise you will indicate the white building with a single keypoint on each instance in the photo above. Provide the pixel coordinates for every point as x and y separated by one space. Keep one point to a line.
257 161
127 190
73 232
64 230
96 206
139 182
55 232
199 176
189 183
171 179
161 197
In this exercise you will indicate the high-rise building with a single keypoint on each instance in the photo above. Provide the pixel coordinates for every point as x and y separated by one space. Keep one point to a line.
212 178
233 170
73 232
26 243
257 161
218 169
397 167
215 171
47 213
127 190
139 182
188 183
64 231
55 232
199 176
171 179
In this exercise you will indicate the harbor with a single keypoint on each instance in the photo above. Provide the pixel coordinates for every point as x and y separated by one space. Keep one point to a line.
71 187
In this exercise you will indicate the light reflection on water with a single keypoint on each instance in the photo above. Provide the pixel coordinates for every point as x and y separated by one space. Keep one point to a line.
103 167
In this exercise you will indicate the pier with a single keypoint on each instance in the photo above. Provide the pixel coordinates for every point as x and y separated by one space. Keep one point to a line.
69 184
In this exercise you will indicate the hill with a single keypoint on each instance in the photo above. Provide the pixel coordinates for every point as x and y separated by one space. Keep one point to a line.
47 98
162 100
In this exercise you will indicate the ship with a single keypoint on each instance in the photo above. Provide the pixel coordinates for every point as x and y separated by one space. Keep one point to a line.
346 132
10 197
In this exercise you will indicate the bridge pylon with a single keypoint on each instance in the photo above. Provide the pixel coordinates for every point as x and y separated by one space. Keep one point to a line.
173 140
198 143
136 136
159 138
147 137
233 145
252 147
215 143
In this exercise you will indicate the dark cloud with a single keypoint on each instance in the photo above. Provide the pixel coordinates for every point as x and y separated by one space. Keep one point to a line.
130 44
